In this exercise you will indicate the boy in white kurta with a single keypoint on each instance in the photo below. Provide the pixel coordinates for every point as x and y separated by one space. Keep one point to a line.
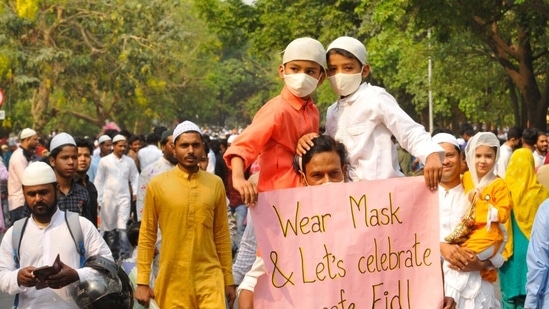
115 174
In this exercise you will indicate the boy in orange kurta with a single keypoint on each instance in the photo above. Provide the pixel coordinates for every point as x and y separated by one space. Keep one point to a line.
278 125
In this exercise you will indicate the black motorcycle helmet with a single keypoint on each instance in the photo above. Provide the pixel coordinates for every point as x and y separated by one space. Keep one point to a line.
110 289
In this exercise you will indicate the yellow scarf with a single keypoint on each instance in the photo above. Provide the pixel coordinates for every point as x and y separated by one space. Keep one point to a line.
526 192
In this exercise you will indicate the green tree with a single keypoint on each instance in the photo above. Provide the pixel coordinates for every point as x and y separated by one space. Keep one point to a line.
132 62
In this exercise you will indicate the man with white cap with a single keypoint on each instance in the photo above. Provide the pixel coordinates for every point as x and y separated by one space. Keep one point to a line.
63 158
19 160
114 173
163 164
105 148
278 125
189 207
453 205
44 236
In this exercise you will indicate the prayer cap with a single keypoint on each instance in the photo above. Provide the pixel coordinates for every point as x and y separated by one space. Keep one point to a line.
184 127
103 138
231 138
61 139
26 133
446 138
118 138
351 45
305 49
38 173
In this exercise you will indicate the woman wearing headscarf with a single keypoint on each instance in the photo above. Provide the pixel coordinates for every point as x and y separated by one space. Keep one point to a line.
527 195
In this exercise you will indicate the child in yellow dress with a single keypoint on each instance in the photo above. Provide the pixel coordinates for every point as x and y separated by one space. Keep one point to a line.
490 200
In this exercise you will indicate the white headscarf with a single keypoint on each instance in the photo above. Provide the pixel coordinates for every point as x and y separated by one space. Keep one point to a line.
481 139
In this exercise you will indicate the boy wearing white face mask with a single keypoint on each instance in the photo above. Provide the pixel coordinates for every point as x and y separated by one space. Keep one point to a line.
278 125
365 117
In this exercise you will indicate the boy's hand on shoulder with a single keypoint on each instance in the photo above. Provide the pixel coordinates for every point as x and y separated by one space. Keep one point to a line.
432 171
305 143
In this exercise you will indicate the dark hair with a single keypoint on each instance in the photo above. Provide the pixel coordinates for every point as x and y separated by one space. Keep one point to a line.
133 233
530 136
342 52
223 142
152 139
205 140
215 145
111 133
468 129
441 130
82 142
201 136
158 130
321 143
133 138
514 132
126 133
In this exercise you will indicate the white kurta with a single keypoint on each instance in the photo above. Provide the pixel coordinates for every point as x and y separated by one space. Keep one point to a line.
159 166
364 123
505 152
39 247
18 163
148 155
113 179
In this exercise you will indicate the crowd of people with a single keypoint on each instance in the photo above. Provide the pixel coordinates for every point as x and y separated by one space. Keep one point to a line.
186 195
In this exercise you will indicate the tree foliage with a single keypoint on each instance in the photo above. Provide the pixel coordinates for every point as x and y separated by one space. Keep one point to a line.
73 65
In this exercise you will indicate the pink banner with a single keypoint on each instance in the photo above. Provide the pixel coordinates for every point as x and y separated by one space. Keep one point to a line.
370 244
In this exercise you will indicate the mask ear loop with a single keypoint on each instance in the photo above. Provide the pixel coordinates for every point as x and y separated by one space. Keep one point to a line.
300 166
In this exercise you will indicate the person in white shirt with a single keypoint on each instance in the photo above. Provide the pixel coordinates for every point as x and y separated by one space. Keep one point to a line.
104 149
163 164
149 153
19 160
115 174
45 236
513 141
365 117
540 149
453 205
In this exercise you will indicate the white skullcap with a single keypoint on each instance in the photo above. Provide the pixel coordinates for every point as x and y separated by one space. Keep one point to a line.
38 173
231 138
103 138
446 138
26 133
61 139
305 49
461 142
351 45
118 138
185 126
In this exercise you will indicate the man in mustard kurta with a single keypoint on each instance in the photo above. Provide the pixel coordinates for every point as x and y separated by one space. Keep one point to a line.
190 208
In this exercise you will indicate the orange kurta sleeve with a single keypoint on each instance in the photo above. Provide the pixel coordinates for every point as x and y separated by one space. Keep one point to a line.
272 139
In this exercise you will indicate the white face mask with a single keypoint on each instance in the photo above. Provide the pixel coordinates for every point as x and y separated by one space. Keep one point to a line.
300 84
345 84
